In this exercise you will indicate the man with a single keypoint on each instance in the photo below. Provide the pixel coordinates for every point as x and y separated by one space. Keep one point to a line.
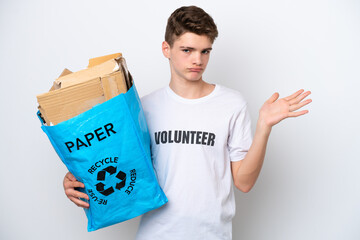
200 138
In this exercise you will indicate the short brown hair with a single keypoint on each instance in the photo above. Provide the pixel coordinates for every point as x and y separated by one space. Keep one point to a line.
190 19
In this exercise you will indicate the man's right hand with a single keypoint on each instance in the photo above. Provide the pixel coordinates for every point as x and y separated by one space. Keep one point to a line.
70 183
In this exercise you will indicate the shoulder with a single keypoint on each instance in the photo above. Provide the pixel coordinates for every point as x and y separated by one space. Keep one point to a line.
231 97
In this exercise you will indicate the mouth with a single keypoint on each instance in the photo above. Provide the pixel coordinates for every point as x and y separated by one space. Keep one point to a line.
195 69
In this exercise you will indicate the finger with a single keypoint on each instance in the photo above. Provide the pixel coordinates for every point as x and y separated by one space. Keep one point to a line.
273 98
73 193
299 98
70 176
297 114
299 105
79 202
294 95
70 184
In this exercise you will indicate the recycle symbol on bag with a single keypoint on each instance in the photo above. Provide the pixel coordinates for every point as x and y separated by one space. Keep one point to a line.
100 187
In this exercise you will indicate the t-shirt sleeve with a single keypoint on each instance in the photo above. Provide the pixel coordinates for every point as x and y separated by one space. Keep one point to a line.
240 136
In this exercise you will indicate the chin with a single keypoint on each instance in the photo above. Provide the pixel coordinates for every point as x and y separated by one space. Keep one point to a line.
194 78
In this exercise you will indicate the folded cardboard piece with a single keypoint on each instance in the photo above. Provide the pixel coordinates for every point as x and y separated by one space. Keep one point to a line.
76 92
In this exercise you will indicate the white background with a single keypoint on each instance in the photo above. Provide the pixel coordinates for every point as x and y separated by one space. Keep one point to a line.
309 185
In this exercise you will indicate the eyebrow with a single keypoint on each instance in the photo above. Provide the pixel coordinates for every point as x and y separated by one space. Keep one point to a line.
191 48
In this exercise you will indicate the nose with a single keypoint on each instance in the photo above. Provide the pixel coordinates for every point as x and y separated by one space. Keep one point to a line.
197 60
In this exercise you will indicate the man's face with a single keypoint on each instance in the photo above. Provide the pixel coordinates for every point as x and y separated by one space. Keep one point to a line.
188 56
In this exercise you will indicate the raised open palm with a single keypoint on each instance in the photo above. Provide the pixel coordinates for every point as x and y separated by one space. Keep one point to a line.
274 109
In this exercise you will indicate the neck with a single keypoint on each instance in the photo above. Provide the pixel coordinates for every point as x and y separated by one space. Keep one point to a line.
191 89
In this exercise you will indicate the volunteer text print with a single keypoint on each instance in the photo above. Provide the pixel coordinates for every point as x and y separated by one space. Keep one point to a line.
100 133
185 137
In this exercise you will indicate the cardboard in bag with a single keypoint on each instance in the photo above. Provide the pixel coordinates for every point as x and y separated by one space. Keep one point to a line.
76 92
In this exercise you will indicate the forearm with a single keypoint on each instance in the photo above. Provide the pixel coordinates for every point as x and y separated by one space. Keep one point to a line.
272 112
248 171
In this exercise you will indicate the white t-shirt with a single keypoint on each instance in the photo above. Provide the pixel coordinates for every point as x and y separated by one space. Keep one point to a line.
193 142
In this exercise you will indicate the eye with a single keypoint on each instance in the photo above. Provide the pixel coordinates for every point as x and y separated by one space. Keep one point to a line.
205 52
186 50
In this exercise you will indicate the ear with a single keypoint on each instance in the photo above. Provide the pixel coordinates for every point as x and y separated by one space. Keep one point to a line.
166 49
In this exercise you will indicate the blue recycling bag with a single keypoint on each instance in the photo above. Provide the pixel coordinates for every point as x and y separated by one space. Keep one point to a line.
108 149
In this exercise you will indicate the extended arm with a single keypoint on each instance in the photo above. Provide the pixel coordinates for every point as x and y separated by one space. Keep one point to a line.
246 172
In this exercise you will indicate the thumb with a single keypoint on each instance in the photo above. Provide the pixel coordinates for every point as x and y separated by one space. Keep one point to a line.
273 98
70 176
